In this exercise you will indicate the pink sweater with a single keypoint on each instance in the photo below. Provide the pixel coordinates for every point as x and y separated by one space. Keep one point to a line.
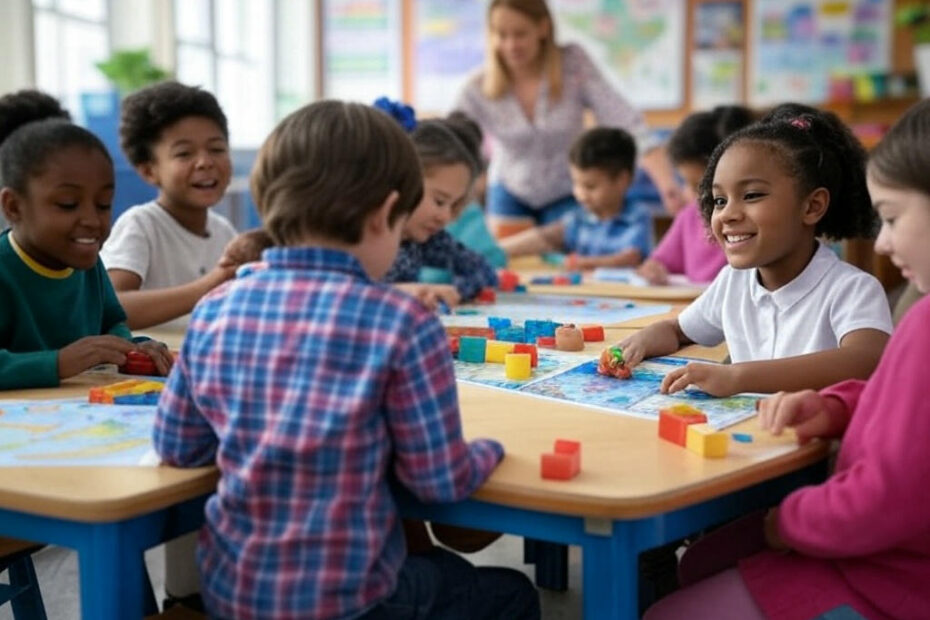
688 248
864 533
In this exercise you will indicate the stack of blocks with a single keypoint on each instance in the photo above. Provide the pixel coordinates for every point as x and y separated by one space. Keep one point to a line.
130 392
563 463
686 426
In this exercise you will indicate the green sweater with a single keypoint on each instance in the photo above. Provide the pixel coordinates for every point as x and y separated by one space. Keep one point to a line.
40 314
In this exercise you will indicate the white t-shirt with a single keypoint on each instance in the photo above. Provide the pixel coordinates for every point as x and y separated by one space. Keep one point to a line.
812 313
147 241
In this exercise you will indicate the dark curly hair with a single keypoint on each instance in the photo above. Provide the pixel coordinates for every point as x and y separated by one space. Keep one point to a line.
33 125
817 150
146 113
610 149
700 133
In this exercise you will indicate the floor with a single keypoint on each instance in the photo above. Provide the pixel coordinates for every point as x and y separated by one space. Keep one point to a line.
58 577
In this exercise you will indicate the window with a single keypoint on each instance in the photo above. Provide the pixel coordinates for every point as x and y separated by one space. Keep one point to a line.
225 46
70 36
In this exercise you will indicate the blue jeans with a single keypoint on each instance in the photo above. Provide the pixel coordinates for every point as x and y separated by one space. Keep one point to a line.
503 204
440 585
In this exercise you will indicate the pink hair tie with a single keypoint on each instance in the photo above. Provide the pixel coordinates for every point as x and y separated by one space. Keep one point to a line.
800 123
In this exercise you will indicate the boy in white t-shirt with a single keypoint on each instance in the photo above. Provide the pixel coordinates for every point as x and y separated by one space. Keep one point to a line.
164 255
792 314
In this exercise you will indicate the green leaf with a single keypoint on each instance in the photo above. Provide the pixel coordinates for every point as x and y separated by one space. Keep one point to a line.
131 69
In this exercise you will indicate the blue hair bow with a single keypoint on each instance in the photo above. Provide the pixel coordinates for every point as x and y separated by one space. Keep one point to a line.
400 112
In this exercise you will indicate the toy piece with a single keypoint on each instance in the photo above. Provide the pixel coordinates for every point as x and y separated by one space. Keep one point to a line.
547 342
472 349
486 296
541 280
520 288
138 363
593 333
575 277
569 338
571 262
563 463
517 366
434 275
453 344
496 351
674 422
561 281
108 394
496 322
482 332
507 280
612 364
553 258
466 311
511 334
742 437
707 442
521 347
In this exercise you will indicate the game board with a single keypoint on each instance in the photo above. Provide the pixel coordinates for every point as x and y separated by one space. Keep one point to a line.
519 307
628 275
74 432
640 395
550 363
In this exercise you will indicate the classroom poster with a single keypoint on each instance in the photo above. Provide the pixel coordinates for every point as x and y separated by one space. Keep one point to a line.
717 57
362 49
637 44
797 43
450 40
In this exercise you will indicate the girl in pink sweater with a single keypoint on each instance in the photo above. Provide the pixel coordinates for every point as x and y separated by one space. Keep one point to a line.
688 247
862 538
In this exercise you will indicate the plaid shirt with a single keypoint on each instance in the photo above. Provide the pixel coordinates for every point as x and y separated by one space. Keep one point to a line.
306 383
586 235
470 271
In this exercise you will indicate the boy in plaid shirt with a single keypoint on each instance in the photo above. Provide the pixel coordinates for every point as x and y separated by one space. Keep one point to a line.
308 384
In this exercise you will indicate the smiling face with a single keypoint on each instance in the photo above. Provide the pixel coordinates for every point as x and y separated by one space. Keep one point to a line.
190 165
64 216
905 216
759 218
516 38
445 188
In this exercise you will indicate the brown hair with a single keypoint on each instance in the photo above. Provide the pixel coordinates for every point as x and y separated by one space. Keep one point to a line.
329 165
902 159
496 80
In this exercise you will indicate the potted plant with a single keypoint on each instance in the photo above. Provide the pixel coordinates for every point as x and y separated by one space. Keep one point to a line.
130 70
916 17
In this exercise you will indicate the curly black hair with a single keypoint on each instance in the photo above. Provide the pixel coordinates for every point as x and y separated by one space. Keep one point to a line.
606 148
146 113
817 150
699 134
33 125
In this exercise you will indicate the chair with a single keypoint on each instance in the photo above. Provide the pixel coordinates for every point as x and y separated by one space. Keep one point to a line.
23 590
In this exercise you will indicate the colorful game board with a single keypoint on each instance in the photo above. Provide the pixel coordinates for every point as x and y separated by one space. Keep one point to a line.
640 395
519 307
628 275
74 432
493 375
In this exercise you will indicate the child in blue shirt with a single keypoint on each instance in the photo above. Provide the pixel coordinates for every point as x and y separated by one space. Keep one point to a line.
311 385
611 231
59 314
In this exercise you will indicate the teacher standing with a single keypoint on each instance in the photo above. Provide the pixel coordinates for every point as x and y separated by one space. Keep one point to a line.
531 97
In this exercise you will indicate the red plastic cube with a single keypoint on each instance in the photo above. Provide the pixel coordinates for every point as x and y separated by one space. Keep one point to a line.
674 426
528 348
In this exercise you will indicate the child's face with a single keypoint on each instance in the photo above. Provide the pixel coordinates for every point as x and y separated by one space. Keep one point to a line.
445 189
64 216
191 165
905 229
598 191
691 173
759 219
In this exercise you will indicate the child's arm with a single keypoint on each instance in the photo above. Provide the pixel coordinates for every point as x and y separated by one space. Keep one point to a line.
624 258
809 413
654 271
470 271
431 294
536 240
154 306
856 358
182 436
662 338
246 247
431 458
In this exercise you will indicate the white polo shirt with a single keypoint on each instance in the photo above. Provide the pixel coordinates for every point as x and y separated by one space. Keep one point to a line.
812 313
147 241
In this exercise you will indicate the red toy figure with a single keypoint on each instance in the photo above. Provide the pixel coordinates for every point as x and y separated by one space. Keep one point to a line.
138 363
612 364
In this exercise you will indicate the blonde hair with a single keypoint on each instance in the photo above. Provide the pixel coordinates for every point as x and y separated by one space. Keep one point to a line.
496 80
326 167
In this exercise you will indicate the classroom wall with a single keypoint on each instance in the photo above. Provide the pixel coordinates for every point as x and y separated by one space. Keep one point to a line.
16 43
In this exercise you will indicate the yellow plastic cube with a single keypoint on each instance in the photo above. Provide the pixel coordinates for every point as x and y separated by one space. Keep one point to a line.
518 366
496 351
704 440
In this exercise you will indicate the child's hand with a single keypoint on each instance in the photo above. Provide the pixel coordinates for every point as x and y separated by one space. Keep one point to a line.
805 411
90 351
431 294
159 353
715 379
245 248
634 349
654 271
446 293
